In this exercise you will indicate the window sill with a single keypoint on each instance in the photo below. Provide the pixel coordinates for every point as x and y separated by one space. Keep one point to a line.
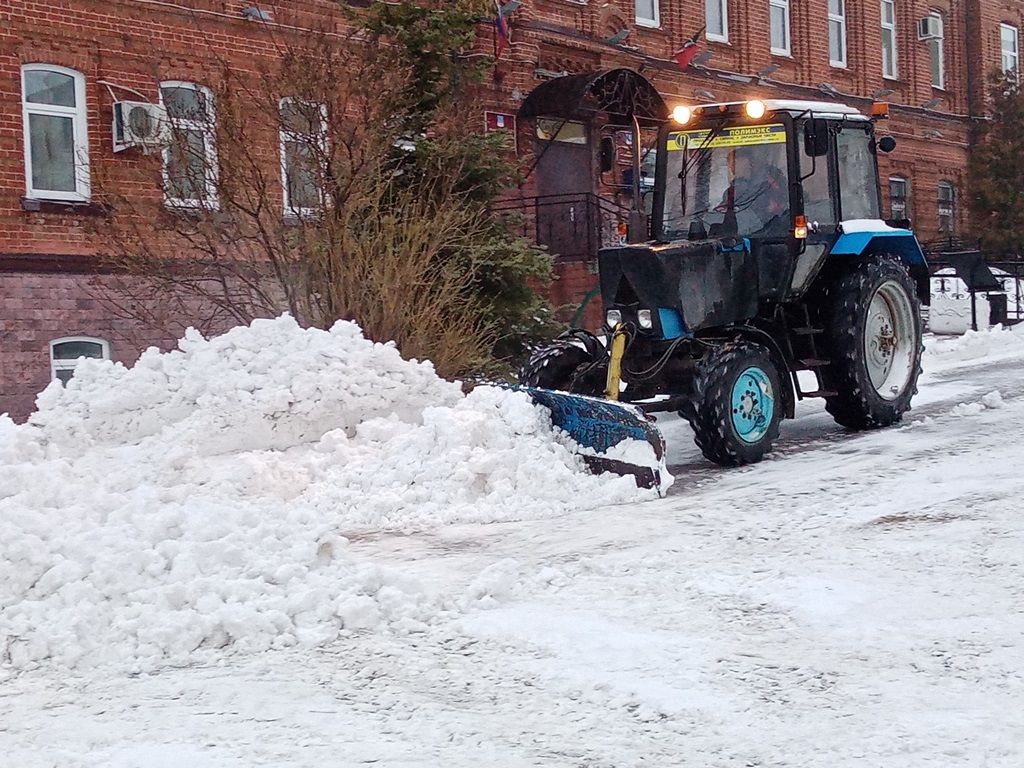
191 207
648 24
73 207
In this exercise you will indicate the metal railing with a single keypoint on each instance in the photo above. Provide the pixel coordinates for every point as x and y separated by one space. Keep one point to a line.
573 226
1008 270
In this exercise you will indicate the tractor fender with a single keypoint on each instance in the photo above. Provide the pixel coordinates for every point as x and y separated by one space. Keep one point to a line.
870 237
758 336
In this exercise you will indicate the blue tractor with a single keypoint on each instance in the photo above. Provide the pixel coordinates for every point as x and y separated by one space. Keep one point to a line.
767 256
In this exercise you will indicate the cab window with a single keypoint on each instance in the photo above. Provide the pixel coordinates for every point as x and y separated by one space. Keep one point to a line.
858 182
818 204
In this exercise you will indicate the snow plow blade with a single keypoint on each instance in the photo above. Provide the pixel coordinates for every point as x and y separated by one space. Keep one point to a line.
599 425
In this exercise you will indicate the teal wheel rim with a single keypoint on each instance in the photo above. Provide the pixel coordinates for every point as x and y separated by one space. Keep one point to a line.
753 405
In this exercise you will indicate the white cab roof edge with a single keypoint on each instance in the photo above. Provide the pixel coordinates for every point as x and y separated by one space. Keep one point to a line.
794 106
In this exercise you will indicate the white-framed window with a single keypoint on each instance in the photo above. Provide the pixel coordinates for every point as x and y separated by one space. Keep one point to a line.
66 353
190 162
303 154
947 208
648 14
716 17
937 51
778 16
837 33
899 195
890 66
1009 47
56 133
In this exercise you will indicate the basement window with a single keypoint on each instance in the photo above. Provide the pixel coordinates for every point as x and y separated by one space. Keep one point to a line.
56 140
66 353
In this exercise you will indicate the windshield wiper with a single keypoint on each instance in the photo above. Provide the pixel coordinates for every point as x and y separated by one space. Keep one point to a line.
698 154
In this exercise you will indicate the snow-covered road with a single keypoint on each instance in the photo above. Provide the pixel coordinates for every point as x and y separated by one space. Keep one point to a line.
856 600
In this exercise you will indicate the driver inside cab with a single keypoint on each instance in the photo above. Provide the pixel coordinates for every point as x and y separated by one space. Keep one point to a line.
757 193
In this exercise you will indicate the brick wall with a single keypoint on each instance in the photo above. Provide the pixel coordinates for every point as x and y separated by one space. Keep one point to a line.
137 43
40 307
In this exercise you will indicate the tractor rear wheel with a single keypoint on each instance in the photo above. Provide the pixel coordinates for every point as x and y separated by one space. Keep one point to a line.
736 411
874 331
566 366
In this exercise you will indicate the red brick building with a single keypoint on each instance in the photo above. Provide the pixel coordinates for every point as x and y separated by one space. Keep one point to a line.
63 64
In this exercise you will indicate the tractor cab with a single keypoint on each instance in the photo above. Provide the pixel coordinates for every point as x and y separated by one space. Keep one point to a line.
750 200
766 258
795 168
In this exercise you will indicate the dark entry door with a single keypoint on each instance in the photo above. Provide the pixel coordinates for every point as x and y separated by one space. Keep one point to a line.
566 219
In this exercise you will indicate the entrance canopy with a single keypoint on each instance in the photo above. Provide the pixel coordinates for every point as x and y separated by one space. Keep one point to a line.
620 93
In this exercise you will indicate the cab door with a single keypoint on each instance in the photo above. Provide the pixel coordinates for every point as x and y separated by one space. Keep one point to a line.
819 189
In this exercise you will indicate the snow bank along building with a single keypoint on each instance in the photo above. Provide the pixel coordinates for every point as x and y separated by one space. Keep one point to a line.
64 65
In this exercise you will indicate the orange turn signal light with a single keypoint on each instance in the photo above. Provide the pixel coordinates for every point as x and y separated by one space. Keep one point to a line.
880 109
800 227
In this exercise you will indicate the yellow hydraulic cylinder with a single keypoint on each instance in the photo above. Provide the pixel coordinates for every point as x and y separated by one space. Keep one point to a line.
618 348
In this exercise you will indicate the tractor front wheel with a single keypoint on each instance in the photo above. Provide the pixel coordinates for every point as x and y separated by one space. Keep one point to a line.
874 329
566 365
736 408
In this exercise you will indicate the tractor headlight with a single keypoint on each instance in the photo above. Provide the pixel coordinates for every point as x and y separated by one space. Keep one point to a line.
682 114
755 109
613 318
644 319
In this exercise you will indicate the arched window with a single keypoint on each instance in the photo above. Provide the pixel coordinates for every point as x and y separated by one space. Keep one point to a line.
66 352
190 162
56 137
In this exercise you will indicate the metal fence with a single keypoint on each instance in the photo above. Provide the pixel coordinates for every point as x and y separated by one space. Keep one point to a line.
1008 270
573 226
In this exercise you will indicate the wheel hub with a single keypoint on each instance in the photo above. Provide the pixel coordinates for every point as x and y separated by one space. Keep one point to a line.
753 405
888 340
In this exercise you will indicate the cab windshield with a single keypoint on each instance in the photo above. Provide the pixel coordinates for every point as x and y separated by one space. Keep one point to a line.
732 182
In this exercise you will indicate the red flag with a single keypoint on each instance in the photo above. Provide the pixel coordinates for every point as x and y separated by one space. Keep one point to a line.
690 49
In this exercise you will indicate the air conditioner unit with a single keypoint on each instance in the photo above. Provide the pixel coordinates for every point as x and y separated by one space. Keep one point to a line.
140 124
929 28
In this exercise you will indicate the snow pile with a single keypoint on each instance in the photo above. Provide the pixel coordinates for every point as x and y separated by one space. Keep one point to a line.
203 499
996 342
990 402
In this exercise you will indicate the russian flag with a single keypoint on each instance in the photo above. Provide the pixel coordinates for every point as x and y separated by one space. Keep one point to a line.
501 28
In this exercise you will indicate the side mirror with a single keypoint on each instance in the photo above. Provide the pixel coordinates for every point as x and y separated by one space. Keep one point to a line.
816 137
607 154
886 144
